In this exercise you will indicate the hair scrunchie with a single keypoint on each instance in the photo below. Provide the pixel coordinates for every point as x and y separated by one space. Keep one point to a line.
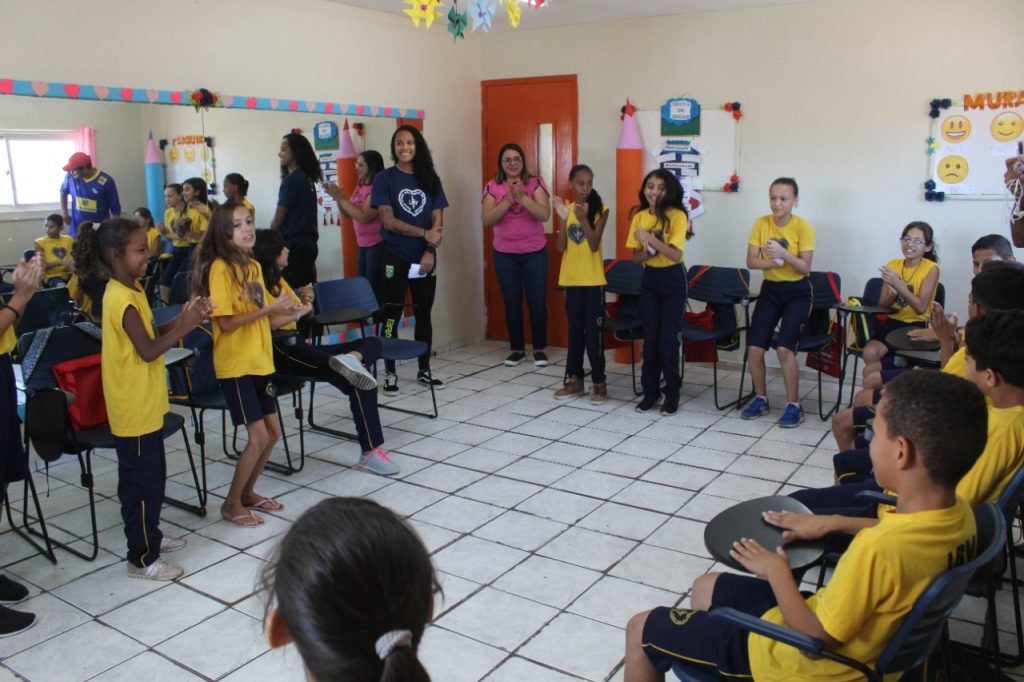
387 642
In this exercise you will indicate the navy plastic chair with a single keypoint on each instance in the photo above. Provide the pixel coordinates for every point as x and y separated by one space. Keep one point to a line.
47 308
624 278
918 635
721 289
356 294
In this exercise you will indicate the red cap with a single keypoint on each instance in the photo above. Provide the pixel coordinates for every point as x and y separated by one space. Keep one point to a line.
78 160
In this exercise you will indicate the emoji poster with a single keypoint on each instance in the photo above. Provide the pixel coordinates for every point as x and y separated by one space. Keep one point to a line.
188 156
970 141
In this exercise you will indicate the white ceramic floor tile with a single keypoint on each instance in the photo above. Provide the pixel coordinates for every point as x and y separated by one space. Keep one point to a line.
537 471
740 488
524 531
681 535
516 443
53 616
613 600
444 477
105 589
729 442
592 483
282 664
568 454
596 647
451 657
229 581
650 448
500 491
478 560
703 458
662 568
653 496
482 459
680 476
762 467
559 506
518 669
547 581
218 645
51 659
148 666
458 514
597 551
626 522
162 614
520 618
405 499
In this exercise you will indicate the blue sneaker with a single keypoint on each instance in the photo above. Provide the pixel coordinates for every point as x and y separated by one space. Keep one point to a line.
792 417
757 407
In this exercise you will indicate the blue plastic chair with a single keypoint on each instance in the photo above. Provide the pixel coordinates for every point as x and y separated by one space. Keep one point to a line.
918 635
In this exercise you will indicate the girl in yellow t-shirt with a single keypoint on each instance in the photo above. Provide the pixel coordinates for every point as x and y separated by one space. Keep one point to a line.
910 286
243 315
582 275
26 278
236 188
55 248
184 225
135 391
657 234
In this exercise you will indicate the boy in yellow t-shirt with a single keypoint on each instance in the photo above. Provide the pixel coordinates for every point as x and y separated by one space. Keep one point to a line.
55 250
929 431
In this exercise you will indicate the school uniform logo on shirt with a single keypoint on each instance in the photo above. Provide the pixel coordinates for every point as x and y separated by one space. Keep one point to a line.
255 293
59 252
575 233
412 201
902 302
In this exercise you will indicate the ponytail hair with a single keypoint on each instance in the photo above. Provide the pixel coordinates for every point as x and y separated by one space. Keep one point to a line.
350 577
238 181
268 246
594 200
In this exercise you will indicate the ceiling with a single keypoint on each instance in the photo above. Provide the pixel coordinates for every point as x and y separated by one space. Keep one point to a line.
568 12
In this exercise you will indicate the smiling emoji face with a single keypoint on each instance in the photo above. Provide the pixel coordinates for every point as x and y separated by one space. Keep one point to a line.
1007 126
956 129
190 155
952 169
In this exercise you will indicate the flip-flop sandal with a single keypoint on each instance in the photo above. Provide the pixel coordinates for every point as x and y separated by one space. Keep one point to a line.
266 504
247 520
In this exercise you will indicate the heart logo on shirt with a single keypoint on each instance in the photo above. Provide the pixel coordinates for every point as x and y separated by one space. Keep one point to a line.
575 233
412 201
60 252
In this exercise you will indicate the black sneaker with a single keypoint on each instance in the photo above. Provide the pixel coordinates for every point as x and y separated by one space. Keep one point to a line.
426 379
391 384
514 358
646 404
11 592
12 622
669 406
540 359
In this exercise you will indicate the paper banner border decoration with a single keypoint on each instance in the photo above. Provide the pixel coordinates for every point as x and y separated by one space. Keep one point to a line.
52 89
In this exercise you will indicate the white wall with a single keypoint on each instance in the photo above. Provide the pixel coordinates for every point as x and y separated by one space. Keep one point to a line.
835 94
304 49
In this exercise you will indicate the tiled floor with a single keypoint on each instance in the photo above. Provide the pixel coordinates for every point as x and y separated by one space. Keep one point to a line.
550 522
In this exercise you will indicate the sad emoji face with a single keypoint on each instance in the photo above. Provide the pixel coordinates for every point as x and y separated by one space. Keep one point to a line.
952 169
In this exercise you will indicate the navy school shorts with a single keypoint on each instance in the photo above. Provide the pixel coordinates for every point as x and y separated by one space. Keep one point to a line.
788 302
249 398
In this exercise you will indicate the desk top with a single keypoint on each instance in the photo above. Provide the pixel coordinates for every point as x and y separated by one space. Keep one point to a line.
900 340
865 309
176 356
744 521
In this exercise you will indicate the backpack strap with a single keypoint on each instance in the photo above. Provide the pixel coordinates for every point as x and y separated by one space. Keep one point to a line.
832 283
697 275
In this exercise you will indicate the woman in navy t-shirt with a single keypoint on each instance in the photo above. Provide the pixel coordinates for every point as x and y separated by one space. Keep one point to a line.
410 201
296 215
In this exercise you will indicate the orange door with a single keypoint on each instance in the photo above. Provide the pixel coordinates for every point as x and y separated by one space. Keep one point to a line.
538 114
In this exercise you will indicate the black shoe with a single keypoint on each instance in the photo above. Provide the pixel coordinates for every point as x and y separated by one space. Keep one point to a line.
12 622
11 592
646 404
540 359
670 406
425 378
514 358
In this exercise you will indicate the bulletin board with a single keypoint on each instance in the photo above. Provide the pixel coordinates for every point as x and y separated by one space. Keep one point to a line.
719 137
968 143
189 156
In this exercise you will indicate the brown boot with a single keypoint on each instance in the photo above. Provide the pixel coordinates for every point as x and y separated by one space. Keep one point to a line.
573 388
599 394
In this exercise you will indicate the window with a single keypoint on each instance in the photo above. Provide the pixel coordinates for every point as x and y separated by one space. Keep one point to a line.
31 168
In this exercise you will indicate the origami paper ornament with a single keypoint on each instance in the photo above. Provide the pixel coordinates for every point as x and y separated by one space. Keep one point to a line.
427 10
481 12
514 12
457 23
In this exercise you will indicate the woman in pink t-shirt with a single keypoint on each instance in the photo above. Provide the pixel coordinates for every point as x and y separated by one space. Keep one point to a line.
364 217
517 204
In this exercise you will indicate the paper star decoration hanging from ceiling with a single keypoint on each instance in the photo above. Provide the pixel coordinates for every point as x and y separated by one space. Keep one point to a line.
514 13
427 10
457 23
481 12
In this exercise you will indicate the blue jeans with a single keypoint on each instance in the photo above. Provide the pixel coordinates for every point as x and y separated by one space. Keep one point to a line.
524 271
370 259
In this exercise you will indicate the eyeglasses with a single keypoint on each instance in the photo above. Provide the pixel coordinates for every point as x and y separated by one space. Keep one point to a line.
512 159
916 241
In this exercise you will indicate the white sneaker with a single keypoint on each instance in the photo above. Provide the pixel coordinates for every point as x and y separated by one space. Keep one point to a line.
158 570
378 462
352 369
169 544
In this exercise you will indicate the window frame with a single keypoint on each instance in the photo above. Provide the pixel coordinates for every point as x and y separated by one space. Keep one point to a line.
16 210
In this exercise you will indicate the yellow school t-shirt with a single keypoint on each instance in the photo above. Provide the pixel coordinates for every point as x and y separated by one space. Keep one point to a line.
1002 457
581 265
252 209
54 251
875 584
673 235
914 277
135 390
957 363
799 236
8 340
200 223
245 351
153 242
287 292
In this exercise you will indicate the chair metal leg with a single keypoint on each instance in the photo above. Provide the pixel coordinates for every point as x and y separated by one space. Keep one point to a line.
288 468
839 398
29 533
632 367
85 462
198 477
319 428
428 415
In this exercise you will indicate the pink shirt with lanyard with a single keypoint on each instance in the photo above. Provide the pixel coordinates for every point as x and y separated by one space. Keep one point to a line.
517 231
367 234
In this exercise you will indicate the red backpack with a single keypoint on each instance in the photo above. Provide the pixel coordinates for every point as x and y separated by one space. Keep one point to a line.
83 378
